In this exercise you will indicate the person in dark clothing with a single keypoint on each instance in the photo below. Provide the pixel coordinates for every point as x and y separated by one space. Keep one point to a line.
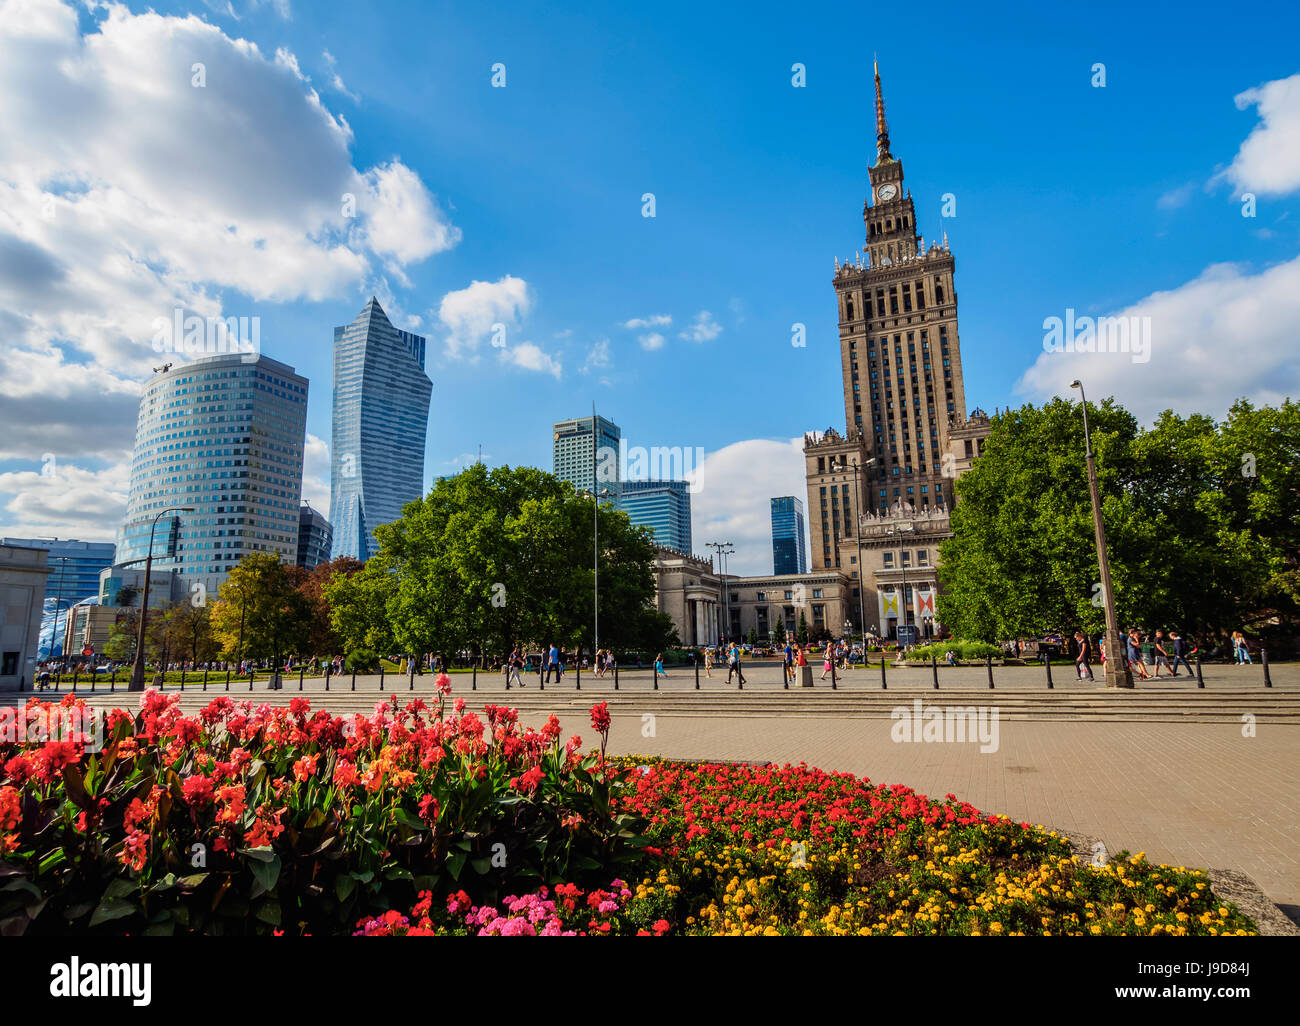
1180 652
1081 660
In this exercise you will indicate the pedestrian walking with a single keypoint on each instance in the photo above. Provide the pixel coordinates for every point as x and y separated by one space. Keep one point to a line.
552 663
1180 651
1240 649
708 662
1161 654
659 666
1081 666
787 664
733 664
828 660
411 664
1135 655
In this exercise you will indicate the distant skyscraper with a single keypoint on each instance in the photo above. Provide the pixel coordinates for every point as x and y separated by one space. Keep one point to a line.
381 415
315 536
577 463
224 435
74 575
789 551
664 507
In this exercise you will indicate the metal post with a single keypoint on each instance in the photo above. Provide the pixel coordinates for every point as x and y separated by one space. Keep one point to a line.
251 674
1200 680
205 678
227 678
934 671
577 670
616 676
381 673
541 677
697 673
354 676
473 678
833 687
1263 658
1047 663
182 676
883 686
302 670
654 672
988 664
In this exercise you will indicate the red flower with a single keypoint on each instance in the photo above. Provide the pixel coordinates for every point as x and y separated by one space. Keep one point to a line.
529 781
600 718
429 809
661 927
197 790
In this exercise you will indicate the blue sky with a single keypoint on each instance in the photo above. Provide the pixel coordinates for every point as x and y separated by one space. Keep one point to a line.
1122 198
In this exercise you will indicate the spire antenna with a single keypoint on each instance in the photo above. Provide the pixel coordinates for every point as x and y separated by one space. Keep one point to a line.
882 126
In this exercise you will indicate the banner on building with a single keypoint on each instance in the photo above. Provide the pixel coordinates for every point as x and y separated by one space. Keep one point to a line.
924 603
888 605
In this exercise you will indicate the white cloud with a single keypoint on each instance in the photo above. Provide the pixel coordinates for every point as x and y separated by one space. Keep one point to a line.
469 313
1268 162
528 356
1177 197
651 341
653 321
127 191
736 485
1226 334
597 356
70 502
336 82
704 328
316 473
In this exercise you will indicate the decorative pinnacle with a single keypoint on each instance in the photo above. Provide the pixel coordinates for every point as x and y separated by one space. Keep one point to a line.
882 126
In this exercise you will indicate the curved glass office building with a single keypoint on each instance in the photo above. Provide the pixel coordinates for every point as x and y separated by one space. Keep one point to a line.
225 435
381 415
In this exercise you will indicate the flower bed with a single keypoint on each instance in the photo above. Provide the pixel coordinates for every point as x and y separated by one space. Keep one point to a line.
422 819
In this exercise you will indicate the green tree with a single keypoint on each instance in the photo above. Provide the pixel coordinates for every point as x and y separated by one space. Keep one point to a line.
492 558
1022 560
275 616
778 632
752 636
188 631
802 635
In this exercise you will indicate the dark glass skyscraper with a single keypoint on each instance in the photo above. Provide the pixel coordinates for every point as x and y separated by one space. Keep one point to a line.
381 414
662 506
789 551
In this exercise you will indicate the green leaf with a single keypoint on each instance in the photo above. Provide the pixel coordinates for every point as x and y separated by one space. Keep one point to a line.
455 863
344 886
110 909
266 874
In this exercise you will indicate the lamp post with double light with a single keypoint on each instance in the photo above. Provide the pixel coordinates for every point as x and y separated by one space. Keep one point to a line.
137 671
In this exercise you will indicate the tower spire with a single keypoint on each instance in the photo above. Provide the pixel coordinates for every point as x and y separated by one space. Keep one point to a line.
882 126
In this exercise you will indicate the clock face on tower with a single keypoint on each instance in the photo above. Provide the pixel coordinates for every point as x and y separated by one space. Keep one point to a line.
887 192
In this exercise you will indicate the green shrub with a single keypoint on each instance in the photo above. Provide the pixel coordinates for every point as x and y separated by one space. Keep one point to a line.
966 651
363 660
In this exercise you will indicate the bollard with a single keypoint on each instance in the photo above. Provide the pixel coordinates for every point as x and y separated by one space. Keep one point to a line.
182 678
112 685
412 679
616 676
251 674
1200 681
697 674
833 687
934 671
577 672
227 678
654 672
473 678
354 678
883 660
785 676
92 684
988 664
1263 658
1047 664
327 680
541 678
381 675
302 670
205 679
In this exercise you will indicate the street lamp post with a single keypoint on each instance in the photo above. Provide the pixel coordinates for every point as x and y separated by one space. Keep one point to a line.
724 549
137 671
1116 668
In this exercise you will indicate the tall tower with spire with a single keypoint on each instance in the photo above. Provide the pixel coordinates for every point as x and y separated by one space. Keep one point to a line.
901 363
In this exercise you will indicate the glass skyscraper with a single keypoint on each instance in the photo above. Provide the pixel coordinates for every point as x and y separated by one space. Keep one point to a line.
789 550
315 537
662 506
381 415
576 462
223 434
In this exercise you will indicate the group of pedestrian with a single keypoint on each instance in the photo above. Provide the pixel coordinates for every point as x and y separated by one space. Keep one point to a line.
1160 650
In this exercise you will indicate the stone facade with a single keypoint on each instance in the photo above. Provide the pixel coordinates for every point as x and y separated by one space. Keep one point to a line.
23 573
